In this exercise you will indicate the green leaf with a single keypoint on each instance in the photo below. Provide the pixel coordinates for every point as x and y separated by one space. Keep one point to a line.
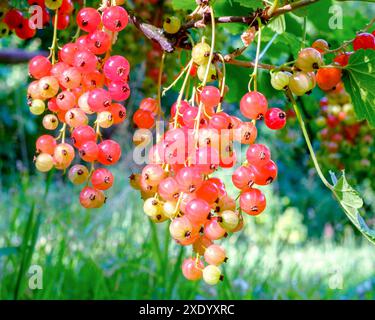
252 4
359 82
184 4
278 25
351 201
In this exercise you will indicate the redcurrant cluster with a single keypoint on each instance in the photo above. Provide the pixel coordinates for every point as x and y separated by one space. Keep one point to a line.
345 142
14 20
79 87
309 69
178 183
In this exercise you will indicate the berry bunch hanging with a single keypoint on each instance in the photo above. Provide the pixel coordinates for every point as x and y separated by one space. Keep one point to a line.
84 85
345 142
57 12
179 184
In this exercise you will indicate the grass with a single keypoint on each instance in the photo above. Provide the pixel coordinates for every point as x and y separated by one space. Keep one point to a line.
114 253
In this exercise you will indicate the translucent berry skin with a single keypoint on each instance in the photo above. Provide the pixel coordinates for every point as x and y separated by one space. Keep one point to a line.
149 104
66 100
58 68
343 58
220 121
320 45
76 117
46 144
39 67
44 162
213 230
207 159
82 134
118 112
70 78
246 133
197 210
208 191
119 90
253 202
50 122
117 68
364 41
63 155
253 105
265 174
48 87
153 174
91 198
85 61
181 228
229 220
275 119
168 189
68 52
243 178
78 174
328 78
89 151
172 25
215 255
299 83
98 42
189 179
192 269
280 80
200 53
143 119
210 96
99 100
88 19
212 275
102 179
109 152
309 59
115 18
258 154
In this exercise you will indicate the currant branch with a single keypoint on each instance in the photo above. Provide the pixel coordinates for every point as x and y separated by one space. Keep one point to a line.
181 39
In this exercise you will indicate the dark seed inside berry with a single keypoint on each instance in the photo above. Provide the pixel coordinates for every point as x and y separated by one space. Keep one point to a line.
282 115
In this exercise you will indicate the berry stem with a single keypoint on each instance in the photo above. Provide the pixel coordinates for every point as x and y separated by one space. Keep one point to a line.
160 78
213 39
223 80
201 107
346 43
54 39
255 72
165 90
182 90
308 141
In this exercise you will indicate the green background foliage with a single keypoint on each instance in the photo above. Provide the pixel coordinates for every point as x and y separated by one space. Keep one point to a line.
303 247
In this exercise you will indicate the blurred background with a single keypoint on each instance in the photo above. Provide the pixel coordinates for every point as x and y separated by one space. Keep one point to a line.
302 247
